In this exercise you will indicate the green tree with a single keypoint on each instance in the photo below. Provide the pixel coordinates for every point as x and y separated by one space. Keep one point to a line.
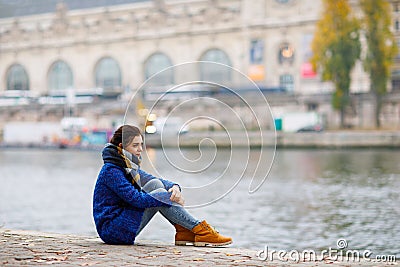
381 48
336 48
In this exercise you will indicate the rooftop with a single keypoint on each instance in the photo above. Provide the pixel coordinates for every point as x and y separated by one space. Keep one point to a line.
17 8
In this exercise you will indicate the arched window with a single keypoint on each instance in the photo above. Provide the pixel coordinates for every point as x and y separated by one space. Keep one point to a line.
286 53
287 81
17 78
398 50
108 74
396 80
156 63
214 72
60 76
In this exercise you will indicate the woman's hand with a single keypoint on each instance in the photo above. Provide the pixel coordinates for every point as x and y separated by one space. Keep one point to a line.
176 195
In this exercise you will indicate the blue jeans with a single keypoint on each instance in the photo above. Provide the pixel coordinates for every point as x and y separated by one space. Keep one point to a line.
176 214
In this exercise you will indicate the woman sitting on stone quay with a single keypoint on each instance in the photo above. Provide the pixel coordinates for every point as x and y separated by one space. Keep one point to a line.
126 198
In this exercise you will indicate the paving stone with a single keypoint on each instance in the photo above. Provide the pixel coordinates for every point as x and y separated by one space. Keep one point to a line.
30 248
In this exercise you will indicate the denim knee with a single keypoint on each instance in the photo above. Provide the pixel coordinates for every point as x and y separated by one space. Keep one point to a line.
152 185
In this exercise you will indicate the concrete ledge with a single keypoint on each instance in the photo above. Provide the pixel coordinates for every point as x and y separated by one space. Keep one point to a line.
340 139
38 249
334 139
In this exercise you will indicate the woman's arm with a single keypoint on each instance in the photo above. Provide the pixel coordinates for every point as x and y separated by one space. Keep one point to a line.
117 182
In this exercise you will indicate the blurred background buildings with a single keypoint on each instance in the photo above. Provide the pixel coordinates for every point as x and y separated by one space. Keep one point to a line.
86 58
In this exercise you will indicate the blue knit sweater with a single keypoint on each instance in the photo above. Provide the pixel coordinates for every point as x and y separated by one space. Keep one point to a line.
118 206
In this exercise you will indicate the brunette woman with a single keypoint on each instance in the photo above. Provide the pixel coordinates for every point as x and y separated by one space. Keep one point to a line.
126 198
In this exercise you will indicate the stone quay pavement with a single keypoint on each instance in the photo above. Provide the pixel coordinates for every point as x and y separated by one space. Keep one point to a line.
28 248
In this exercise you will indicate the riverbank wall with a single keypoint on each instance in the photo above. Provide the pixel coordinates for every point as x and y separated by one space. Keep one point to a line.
253 139
334 139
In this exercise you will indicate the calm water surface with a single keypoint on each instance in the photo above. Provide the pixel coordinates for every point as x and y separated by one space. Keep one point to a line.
310 199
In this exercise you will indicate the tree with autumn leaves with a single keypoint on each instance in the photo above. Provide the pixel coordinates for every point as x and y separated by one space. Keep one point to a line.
336 48
381 50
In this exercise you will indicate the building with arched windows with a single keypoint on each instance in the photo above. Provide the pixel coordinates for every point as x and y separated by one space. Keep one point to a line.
117 47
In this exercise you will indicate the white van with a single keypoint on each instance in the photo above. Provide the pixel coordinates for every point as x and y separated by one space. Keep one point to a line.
170 126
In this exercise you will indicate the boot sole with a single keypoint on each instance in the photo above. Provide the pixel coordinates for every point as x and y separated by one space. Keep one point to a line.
205 244
184 243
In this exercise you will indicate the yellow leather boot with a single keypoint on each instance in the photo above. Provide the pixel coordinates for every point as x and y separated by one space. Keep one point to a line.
206 235
183 236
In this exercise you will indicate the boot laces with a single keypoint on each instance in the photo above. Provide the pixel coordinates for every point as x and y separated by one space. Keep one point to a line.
212 229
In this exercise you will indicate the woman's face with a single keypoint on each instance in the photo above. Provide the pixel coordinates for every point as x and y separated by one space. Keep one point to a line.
136 146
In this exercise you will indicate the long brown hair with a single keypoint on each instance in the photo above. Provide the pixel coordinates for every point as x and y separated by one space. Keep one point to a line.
125 134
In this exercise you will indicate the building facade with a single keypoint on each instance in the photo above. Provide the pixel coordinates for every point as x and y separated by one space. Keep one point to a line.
116 48
123 45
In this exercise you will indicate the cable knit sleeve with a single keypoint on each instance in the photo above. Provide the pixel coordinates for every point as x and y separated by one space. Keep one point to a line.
117 182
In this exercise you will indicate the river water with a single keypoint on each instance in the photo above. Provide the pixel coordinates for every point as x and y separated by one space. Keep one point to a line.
310 199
